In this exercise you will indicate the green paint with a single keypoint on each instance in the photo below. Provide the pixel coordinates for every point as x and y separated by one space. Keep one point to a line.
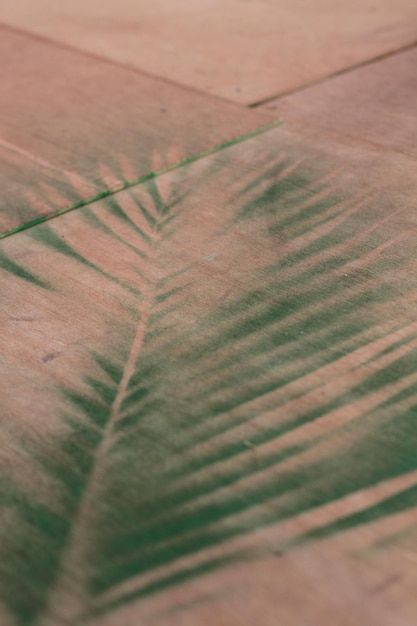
141 179
100 225
177 476
398 503
113 205
166 582
48 237
20 272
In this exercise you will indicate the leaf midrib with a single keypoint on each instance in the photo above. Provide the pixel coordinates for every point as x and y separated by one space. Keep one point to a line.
68 592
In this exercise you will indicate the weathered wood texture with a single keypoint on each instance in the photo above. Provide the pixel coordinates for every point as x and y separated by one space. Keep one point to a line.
376 103
208 396
72 126
241 50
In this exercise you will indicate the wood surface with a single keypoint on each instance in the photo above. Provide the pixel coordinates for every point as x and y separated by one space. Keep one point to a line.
72 126
242 50
376 104
208 385
208 322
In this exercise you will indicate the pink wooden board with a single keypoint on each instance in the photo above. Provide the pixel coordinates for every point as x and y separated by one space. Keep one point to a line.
72 126
376 103
242 50
208 387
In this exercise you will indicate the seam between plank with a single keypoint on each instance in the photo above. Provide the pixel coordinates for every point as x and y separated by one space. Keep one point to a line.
130 67
141 179
341 72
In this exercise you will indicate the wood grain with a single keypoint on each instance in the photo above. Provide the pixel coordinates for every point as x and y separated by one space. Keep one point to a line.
241 50
376 103
72 126
208 391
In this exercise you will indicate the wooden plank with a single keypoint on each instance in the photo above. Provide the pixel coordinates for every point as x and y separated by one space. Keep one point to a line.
376 103
208 388
242 51
72 124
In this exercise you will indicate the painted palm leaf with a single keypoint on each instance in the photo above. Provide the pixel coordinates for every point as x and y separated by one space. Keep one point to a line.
238 361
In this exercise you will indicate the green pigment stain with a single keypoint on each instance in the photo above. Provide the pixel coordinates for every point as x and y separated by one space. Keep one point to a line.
141 179
161 498
20 272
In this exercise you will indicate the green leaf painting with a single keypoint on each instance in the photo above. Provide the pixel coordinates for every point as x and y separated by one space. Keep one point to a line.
216 352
